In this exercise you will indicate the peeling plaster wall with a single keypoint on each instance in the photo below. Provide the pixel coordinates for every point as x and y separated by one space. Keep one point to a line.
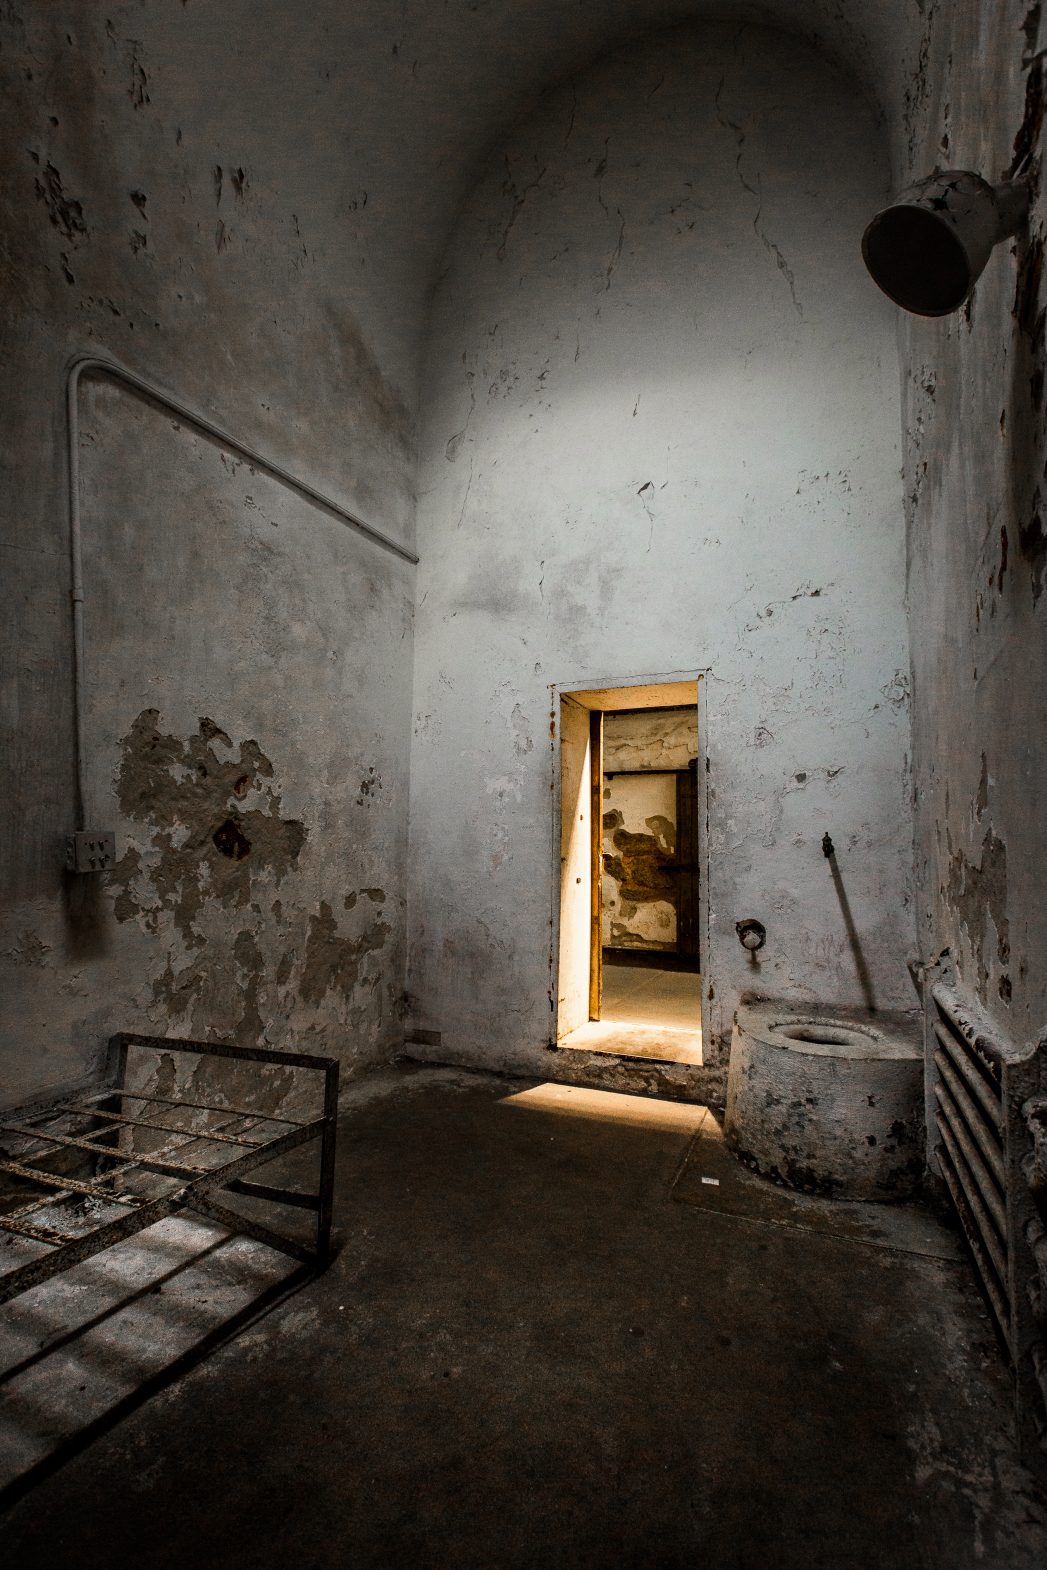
640 891
640 739
975 451
247 201
181 192
660 435
639 907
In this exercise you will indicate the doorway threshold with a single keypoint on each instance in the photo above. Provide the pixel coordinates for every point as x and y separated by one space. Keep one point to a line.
657 1043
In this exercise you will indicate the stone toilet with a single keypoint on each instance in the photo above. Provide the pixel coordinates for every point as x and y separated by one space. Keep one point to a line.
828 1102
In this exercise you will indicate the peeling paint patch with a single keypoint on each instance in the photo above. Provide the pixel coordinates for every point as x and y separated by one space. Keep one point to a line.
138 87
977 890
204 846
897 690
1032 542
1028 134
642 863
1026 308
370 785
333 961
521 731
982 799
30 950
65 212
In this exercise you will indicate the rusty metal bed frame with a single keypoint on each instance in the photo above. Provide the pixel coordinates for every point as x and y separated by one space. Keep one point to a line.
210 1149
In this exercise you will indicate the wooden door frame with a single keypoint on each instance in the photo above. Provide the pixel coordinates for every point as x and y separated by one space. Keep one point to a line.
687 803
596 874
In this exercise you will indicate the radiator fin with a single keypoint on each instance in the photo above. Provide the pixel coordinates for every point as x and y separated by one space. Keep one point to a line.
985 1108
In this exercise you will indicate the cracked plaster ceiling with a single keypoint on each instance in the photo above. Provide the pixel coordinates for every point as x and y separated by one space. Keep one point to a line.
404 99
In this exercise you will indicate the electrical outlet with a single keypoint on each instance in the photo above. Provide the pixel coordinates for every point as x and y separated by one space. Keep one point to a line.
90 850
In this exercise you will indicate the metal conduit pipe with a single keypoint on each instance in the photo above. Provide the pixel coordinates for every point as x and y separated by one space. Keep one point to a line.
103 366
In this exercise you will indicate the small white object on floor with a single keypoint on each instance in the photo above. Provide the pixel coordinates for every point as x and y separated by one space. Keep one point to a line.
715 1182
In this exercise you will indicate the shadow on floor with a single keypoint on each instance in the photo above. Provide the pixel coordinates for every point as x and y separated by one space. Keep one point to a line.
83 1350
535 1350
645 1012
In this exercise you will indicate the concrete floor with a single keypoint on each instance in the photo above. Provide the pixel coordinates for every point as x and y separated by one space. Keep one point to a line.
642 995
645 1013
528 1353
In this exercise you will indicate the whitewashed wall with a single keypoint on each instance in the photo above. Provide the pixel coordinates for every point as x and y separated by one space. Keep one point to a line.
661 434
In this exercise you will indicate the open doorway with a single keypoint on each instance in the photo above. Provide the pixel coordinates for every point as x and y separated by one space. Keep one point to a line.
631 889
649 869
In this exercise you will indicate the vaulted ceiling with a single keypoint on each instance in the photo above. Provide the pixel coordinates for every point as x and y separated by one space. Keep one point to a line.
373 119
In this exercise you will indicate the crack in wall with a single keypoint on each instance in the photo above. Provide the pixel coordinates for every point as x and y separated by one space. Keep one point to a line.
518 196
451 450
617 252
770 246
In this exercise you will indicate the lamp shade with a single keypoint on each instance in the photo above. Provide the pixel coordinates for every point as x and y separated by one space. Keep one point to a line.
927 250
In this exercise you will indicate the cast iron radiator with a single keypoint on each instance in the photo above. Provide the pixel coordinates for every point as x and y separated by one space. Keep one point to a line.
990 1121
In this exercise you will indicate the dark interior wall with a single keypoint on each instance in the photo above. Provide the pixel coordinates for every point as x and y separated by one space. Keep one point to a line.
195 207
974 426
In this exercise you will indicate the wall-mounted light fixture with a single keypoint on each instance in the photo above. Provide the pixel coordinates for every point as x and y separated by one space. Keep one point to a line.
927 250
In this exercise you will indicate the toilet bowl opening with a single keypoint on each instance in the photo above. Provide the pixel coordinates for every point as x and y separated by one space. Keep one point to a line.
824 1035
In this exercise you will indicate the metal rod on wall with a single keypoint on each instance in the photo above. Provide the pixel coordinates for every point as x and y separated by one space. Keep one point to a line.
104 366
